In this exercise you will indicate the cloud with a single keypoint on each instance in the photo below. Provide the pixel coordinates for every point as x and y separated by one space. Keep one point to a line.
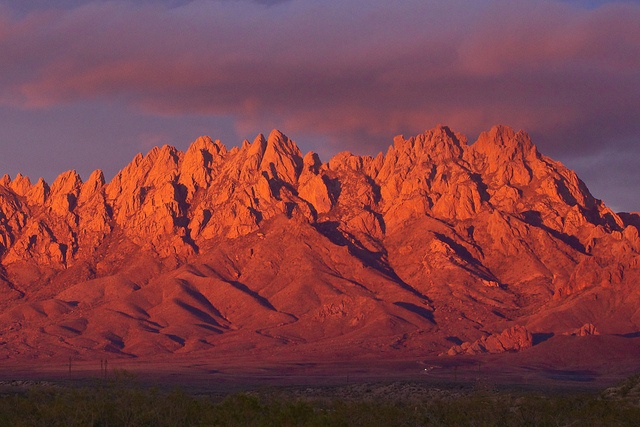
354 72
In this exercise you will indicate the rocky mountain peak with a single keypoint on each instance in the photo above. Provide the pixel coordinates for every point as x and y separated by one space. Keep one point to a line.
38 193
93 185
21 185
435 242
438 144
66 183
282 158
205 143
501 143
256 148
508 155
442 141
64 192
311 162
197 163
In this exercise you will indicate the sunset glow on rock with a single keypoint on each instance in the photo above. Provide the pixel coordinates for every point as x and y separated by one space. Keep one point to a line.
261 247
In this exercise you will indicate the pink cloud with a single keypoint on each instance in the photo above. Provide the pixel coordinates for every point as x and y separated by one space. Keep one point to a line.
355 72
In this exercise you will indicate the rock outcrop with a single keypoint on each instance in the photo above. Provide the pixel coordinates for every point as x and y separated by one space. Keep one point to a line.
516 338
585 330
435 238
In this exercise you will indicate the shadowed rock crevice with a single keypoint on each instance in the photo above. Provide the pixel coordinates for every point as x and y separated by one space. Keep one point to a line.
256 296
374 260
541 337
176 339
420 311
200 298
198 313
482 187
144 322
534 218
476 268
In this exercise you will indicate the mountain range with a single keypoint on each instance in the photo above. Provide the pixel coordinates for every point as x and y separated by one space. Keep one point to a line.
436 247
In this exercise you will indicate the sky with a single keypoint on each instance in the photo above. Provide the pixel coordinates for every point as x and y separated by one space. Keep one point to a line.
89 84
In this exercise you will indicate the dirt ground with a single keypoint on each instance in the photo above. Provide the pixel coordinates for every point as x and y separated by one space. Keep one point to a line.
363 375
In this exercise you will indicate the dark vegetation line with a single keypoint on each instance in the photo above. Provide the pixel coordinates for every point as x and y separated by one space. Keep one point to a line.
121 403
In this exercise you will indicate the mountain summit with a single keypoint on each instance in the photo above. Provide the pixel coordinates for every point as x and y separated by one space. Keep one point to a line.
434 244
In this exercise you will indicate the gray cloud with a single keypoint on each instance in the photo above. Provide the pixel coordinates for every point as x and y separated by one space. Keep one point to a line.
351 74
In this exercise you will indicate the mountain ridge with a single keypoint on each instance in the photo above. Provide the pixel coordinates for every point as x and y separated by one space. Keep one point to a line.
433 243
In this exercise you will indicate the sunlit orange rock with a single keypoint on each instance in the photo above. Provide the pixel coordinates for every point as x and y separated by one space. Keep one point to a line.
258 247
516 338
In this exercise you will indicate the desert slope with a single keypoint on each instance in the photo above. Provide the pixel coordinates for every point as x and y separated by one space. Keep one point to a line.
434 243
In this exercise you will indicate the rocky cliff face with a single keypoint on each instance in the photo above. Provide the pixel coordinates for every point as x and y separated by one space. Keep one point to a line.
434 240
